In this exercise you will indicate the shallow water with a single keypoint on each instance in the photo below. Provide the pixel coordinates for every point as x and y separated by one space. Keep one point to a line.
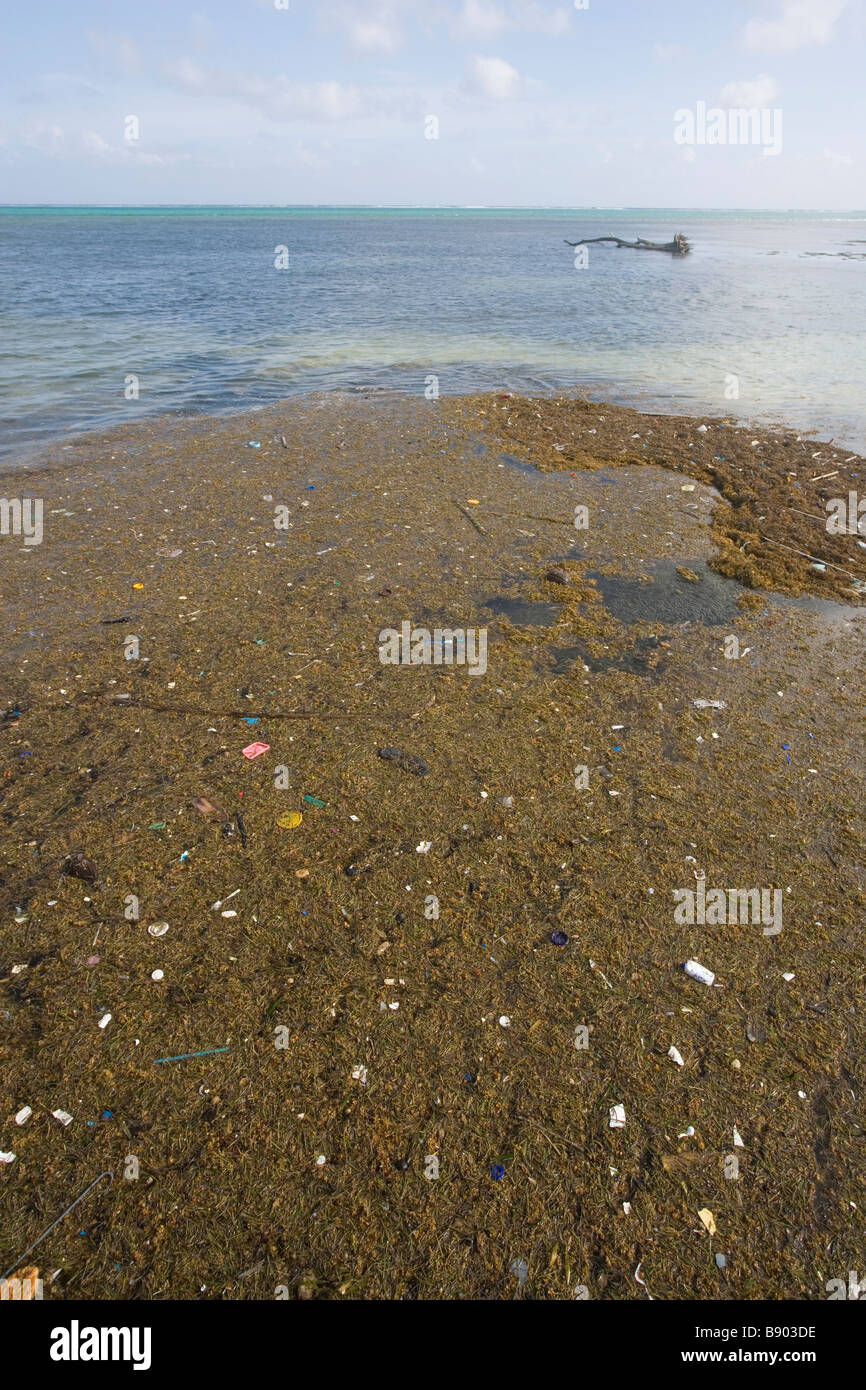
189 303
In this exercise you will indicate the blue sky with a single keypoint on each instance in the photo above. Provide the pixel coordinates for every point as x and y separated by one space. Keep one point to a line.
538 102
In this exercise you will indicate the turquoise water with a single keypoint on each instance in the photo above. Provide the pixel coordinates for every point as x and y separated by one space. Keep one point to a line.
189 302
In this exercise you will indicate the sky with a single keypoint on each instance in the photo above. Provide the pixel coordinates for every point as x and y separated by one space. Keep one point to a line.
421 103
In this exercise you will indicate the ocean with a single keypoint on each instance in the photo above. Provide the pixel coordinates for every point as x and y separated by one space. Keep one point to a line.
112 314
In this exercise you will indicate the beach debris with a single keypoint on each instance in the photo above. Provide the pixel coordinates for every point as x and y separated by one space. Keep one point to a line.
255 750
557 576
616 1117
359 1073
157 825
497 1172
157 975
687 487
253 444
788 975
184 1056
519 1270
702 429
409 762
78 866
157 929
206 807
169 554
7 1157
738 1142
63 1116
39 1239
504 1021
23 1115
675 1056
699 972
424 847
290 820
680 246
302 873
315 801
708 1219
321 1161
214 907
559 938
721 1261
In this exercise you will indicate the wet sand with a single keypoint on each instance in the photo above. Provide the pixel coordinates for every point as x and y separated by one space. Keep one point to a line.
447 515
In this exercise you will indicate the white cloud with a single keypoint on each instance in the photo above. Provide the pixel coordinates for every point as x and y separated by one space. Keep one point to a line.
482 20
46 138
760 92
667 52
493 78
117 48
282 99
374 31
536 18
837 160
801 22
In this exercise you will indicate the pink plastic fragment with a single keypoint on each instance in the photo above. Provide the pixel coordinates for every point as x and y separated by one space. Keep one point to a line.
253 750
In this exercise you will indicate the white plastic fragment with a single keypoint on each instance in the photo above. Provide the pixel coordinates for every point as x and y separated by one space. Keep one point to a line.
675 1056
157 975
63 1116
105 1020
158 929
360 1074
709 704
504 1021
696 971
6 1157
23 1115
424 847
617 1117
320 1160
788 975
738 1142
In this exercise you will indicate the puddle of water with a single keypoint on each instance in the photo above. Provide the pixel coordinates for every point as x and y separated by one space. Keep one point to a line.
524 613
670 598
635 661
519 464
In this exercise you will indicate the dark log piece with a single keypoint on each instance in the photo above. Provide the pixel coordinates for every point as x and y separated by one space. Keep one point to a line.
678 247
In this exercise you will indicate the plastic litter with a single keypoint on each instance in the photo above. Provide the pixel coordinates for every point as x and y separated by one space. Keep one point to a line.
314 801
617 1117
255 750
709 704
697 971
675 1056
157 929
23 1115
63 1116
290 820
559 938
519 1270
707 1218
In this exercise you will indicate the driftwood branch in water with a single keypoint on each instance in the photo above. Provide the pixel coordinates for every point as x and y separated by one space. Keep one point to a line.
678 247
